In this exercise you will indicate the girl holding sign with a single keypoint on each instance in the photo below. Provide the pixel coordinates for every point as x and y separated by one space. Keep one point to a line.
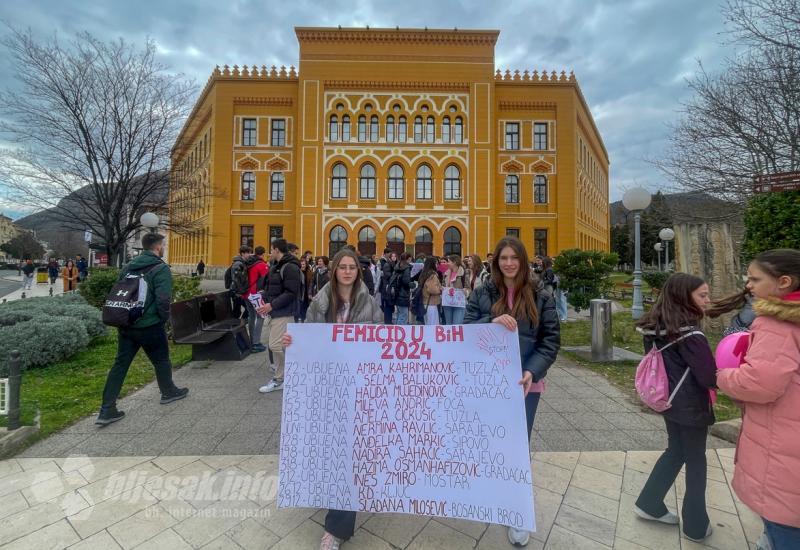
454 278
512 299
345 299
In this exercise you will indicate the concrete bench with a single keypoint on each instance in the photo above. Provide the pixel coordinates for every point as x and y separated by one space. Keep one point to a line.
206 323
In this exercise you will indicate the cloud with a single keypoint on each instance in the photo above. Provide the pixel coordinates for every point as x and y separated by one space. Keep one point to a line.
631 57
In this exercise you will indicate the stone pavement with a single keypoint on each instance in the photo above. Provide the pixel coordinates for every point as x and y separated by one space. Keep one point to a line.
12 283
583 501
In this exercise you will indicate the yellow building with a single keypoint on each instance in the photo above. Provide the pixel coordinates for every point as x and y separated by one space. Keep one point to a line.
405 137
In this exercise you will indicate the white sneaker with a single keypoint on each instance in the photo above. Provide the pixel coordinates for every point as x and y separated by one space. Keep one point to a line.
763 542
669 518
701 539
518 537
273 385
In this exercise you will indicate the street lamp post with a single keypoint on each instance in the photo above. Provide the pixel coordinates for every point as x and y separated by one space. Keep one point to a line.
666 235
150 221
636 200
657 248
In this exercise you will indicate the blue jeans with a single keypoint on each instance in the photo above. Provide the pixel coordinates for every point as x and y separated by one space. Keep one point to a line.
454 315
782 537
402 316
561 305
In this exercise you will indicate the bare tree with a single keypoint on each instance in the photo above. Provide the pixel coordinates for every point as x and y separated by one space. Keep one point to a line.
744 121
91 125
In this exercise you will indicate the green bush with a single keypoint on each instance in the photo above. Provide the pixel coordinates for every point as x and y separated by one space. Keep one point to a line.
184 287
42 340
98 284
655 279
585 275
771 221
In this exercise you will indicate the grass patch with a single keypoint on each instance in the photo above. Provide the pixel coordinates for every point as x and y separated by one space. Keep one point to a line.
622 374
68 390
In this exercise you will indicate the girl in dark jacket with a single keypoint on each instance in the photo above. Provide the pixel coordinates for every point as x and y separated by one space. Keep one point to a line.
402 273
673 321
511 298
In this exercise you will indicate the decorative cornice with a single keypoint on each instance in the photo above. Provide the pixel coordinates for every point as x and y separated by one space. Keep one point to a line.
525 105
269 101
373 84
434 56
535 76
398 36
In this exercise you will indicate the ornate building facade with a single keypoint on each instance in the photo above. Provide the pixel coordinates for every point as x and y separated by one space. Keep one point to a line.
400 137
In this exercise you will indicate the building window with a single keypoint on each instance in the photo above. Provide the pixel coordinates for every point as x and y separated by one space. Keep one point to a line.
275 232
540 136
402 130
246 235
249 132
540 189
446 129
540 242
346 128
452 241
389 129
362 128
512 189
248 186
512 232
430 130
512 135
458 133
396 182
339 181
423 235
452 183
418 129
374 133
333 132
367 235
276 186
338 240
395 235
367 182
424 182
278 132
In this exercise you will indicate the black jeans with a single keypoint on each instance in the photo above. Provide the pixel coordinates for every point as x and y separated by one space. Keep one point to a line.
153 340
531 404
388 313
685 445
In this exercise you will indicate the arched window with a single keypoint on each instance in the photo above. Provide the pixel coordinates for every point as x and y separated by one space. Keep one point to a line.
458 134
346 128
452 183
389 129
402 130
366 241
374 133
430 130
512 189
446 129
452 241
423 242
362 128
339 181
395 235
540 190
333 130
367 182
338 240
424 182
418 129
276 186
396 182
248 186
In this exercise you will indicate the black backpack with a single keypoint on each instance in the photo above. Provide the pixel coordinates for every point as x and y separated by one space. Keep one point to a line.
392 289
125 303
298 306
240 280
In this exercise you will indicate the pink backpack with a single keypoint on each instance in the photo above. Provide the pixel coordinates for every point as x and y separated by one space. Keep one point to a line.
652 383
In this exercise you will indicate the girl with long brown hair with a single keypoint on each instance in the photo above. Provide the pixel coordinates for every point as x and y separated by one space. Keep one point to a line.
512 299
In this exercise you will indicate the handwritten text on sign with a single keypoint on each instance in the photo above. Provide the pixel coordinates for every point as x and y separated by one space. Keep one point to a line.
425 420
453 297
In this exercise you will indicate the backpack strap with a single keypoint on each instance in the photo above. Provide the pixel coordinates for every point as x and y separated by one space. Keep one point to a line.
686 372
682 338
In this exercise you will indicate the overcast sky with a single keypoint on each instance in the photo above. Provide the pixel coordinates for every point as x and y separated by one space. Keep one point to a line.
631 57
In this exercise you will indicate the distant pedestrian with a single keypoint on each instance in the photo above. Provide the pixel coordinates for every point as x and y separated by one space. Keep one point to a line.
401 281
70 276
83 267
431 291
201 268
147 332
321 276
387 268
256 277
52 270
28 274
454 278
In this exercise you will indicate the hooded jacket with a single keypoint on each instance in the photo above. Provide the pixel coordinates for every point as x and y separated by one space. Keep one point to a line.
402 273
284 287
364 309
538 345
767 474
366 273
159 288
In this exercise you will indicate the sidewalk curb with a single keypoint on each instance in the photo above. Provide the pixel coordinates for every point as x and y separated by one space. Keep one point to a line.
727 430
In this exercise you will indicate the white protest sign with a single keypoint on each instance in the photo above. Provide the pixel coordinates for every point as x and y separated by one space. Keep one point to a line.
453 297
425 420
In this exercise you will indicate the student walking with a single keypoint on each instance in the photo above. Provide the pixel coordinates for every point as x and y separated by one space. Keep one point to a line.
201 268
345 300
767 474
511 299
70 275
256 276
28 274
147 332
52 270
672 326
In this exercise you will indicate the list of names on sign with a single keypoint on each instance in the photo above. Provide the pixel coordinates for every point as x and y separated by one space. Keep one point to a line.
426 420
